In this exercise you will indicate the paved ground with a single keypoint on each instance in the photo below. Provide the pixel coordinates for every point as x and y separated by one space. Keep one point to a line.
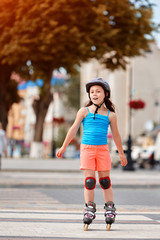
40 224
28 209
59 173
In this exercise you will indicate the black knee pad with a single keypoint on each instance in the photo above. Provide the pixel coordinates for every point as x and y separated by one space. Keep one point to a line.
90 183
105 182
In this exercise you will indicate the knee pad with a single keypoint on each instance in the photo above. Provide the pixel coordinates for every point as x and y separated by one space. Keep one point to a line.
105 182
90 183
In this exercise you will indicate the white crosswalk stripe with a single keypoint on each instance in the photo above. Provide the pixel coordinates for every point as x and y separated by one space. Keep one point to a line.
34 224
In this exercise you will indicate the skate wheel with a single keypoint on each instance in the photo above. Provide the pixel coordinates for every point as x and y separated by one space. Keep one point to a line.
108 227
85 227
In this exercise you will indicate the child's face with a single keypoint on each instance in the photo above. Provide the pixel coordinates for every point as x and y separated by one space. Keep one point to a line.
97 94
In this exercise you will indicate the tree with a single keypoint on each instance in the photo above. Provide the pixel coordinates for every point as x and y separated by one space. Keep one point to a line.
60 33
8 92
8 89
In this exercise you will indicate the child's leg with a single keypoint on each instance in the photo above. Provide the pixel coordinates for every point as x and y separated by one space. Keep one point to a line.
106 185
105 182
89 185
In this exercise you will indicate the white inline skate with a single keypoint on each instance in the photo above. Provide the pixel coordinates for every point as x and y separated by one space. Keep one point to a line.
109 214
89 214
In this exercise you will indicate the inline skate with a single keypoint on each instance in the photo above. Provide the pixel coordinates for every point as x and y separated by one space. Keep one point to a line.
109 214
89 214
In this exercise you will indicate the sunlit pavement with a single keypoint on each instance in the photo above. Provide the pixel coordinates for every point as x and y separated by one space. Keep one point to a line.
67 224
49 204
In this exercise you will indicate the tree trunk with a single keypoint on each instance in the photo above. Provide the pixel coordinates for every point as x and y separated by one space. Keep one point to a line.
41 107
5 73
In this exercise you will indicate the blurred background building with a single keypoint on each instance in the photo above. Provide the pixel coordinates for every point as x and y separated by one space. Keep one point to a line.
143 73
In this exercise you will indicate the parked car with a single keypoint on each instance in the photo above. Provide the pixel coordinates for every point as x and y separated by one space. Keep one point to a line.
146 157
157 150
116 161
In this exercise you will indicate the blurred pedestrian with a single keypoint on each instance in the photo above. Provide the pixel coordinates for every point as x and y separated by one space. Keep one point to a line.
94 152
3 143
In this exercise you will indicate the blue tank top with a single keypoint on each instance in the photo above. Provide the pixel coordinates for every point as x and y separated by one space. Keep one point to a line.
95 130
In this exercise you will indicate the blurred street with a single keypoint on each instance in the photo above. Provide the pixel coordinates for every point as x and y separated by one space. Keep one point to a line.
52 54
43 199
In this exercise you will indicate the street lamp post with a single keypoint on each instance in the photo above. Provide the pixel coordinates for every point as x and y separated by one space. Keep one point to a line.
130 166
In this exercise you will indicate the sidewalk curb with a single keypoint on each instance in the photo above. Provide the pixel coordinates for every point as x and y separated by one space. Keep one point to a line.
78 186
41 170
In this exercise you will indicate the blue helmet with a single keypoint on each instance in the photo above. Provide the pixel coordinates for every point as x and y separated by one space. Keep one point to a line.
101 82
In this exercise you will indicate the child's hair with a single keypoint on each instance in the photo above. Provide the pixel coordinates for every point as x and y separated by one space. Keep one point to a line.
107 103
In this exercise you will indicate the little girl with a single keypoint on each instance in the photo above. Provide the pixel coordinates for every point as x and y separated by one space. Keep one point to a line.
94 152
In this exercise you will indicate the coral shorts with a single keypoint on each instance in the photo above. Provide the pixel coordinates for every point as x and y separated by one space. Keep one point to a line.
95 157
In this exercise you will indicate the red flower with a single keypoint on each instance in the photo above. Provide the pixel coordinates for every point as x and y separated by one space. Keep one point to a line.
137 104
58 120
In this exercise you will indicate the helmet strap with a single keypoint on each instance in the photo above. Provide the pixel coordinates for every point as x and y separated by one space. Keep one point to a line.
97 107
